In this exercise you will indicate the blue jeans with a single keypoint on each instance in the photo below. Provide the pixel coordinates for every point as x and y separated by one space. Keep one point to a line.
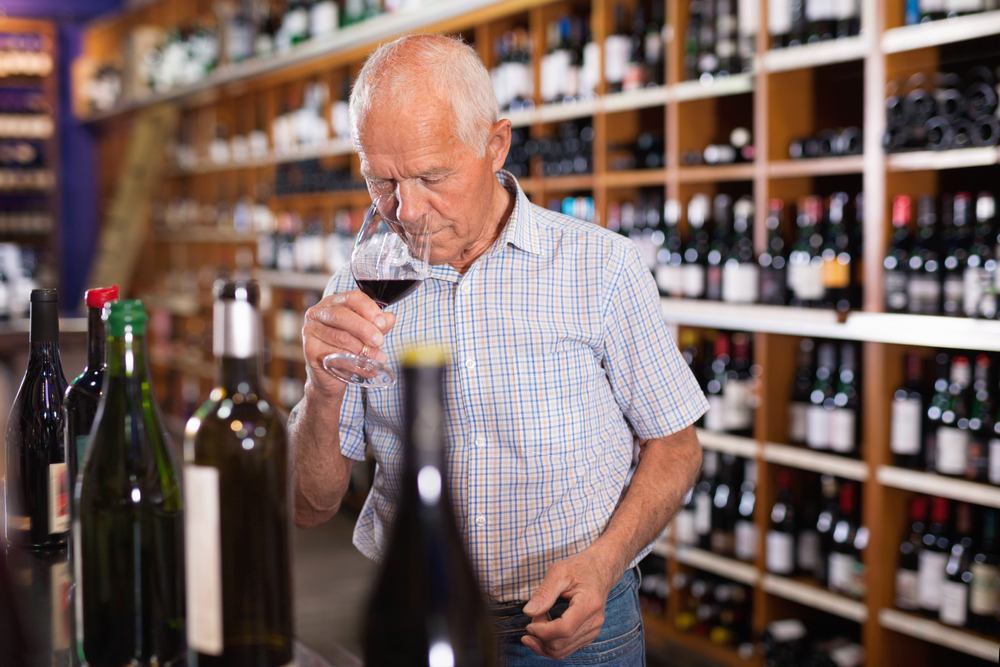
620 643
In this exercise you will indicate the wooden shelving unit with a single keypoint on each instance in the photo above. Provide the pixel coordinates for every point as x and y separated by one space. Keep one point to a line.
779 100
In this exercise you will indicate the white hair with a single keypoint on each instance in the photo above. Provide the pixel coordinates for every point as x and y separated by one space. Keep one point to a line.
410 65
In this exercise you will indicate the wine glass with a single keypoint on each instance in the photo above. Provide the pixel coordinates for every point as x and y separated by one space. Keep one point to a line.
390 259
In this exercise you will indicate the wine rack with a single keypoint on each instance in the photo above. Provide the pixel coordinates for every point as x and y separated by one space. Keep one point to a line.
788 94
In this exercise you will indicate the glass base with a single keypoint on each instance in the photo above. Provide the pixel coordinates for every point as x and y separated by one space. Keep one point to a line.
358 370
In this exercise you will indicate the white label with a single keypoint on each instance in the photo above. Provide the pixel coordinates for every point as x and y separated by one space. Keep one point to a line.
994 461
811 287
779 16
797 428
684 527
930 577
748 16
954 291
845 9
715 418
780 552
842 431
616 53
965 6
737 414
746 540
693 280
61 582
818 427
58 498
954 603
895 290
818 10
808 550
203 553
905 435
985 597
907 597
324 18
702 514
668 279
952 450
973 287
739 283
841 569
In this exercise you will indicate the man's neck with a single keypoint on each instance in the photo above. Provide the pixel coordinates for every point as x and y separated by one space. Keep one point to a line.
500 211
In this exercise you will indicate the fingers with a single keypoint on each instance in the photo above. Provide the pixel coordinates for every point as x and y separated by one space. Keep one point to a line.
553 585
557 649
346 322
577 615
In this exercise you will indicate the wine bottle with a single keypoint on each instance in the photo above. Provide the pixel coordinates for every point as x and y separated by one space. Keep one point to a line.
704 492
717 419
978 424
725 506
935 408
908 566
36 487
236 474
696 249
746 530
738 394
779 22
825 522
798 407
805 263
821 398
896 263
906 439
426 597
739 273
925 271
844 558
935 546
683 524
129 515
722 207
780 547
807 547
978 300
617 47
956 586
774 260
952 442
844 420
669 258
984 598
957 239
837 255
84 392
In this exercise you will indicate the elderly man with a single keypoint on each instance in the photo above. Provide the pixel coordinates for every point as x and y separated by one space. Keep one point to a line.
566 379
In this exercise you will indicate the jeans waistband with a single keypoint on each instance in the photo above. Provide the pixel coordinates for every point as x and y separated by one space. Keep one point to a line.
500 610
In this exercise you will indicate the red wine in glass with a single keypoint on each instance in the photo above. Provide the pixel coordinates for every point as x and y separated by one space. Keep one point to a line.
387 292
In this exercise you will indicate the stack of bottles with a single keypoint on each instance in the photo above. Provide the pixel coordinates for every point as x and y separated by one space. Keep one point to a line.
723 364
787 643
737 148
824 410
717 609
512 73
835 142
570 68
720 38
798 22
634 50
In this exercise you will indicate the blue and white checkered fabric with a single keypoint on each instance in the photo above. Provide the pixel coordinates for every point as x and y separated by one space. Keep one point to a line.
560 360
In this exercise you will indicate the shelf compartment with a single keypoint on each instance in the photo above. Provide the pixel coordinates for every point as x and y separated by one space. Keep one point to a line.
940 634
660 628
286 352
642 98
735 84
747 448
635 178
724 567
332 148
938 33
707 174
565 183
961 158
939 485
850 164
561 111
815 597
807 459
806 56
292 280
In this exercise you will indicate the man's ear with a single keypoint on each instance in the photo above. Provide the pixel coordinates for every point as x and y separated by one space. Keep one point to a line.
498 143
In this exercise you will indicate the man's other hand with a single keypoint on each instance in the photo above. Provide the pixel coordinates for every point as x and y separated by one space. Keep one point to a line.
585 580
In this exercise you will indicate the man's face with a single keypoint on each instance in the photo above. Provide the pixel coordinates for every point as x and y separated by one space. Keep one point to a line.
413 159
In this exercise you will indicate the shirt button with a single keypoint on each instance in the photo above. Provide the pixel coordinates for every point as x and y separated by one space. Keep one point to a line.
480 520
470 364
480 441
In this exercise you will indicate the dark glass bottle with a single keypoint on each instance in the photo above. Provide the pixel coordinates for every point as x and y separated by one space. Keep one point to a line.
957 584
774 260
722 211
953 434
924 293
845 420
725 507
821 398
717 419
427 601
984 600
746 530
236 475
906 437
957 239
130 552
798 408
696 249
907 568
84 393
780 547
978 299
935 547
979 423
739 273
825 522
37 484
844 558
935 409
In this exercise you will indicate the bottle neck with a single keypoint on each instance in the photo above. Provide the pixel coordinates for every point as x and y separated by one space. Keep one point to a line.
96 339
127 358
44 325
239 375
426 479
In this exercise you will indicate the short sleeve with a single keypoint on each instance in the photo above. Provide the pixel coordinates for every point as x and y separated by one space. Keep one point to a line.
352 410
651 382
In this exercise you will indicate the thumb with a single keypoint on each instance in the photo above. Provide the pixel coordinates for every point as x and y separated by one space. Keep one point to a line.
547 593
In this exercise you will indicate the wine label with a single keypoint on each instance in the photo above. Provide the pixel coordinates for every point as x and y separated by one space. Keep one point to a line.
616 53
323 18
748 17
930 576
715 418
984 598
668 279
895 290
819 10
925 293
693 281
836 274
780 555
907 597
808 550
966 6
811 286
974 283
954 293
842 431
844 9
746 540
952 450
684 527
779 16
702 514
296 22
203 552
739 283
905 431
59 593
840 573
954 603
736 396
78 578
58 498
818 427
797 424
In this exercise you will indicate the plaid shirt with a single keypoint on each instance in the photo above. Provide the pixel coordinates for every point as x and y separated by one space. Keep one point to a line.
561 360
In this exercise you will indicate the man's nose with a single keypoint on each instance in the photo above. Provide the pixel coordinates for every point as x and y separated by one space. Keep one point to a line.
410 202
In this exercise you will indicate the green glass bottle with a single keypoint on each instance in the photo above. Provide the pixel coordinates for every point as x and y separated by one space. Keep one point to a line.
427 608
239 582
129 555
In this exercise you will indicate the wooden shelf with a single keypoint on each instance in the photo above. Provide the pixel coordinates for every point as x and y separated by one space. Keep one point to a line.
939 33
724 567
933 632
808 459
190 363
556 113
937 160
717 174
735 84
635 179
813 596
939 485
849 164
642 98
332 148
182 305
331 198
765 319
563 183
747 448
806 56
288 280
205 235
720 655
